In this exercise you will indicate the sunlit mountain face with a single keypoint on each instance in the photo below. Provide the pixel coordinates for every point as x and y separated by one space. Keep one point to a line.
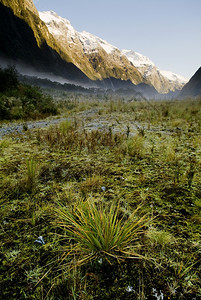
99 59
26 42
45 45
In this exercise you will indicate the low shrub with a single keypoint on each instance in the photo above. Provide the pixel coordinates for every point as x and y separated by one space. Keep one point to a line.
22 101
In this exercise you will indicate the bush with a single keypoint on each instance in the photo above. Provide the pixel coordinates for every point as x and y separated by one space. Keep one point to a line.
8 79
21 100
4 109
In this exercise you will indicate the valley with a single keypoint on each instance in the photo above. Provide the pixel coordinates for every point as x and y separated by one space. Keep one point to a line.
109 152
100 154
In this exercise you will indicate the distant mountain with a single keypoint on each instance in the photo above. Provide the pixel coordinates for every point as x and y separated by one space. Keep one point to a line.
193 87
163 81
99 59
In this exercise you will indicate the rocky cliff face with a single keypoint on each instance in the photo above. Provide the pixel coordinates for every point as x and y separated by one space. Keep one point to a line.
98 59
20 5
52 47
94 56
26 11
193 87
163 81
25 40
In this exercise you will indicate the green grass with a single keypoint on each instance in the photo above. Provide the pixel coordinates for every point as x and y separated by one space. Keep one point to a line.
100 174
98 230
33 173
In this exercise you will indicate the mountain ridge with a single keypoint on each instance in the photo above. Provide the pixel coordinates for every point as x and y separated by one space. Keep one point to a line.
22 41
26 43
90 53
193 87
77 58
101 59
163 81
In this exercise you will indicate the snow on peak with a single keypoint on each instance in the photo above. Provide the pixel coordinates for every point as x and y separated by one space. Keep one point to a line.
50 16
140 61
59 26
137 59
91 42
107 47
63 30
56 24
174 77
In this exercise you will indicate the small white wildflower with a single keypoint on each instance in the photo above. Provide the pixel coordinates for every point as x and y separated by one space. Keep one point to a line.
103 188
100 261
159 296
129 289
40 240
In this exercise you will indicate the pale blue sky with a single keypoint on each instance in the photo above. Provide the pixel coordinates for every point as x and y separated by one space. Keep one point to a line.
166 31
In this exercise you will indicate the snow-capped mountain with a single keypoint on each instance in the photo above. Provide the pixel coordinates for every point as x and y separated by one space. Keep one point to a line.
62 28
163 81
94 56
174 77
98 59
138 59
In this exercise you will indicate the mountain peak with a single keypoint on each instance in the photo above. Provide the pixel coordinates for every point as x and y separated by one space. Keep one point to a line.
172 76
57 25
136 58
92 55
99 59
92 42
50 16
163 81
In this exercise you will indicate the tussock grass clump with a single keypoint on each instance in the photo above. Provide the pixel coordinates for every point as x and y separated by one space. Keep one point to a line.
72 137
65 127
4 144
33 173
97 229
136 146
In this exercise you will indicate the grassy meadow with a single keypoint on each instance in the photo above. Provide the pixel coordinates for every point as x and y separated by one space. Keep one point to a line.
104 205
